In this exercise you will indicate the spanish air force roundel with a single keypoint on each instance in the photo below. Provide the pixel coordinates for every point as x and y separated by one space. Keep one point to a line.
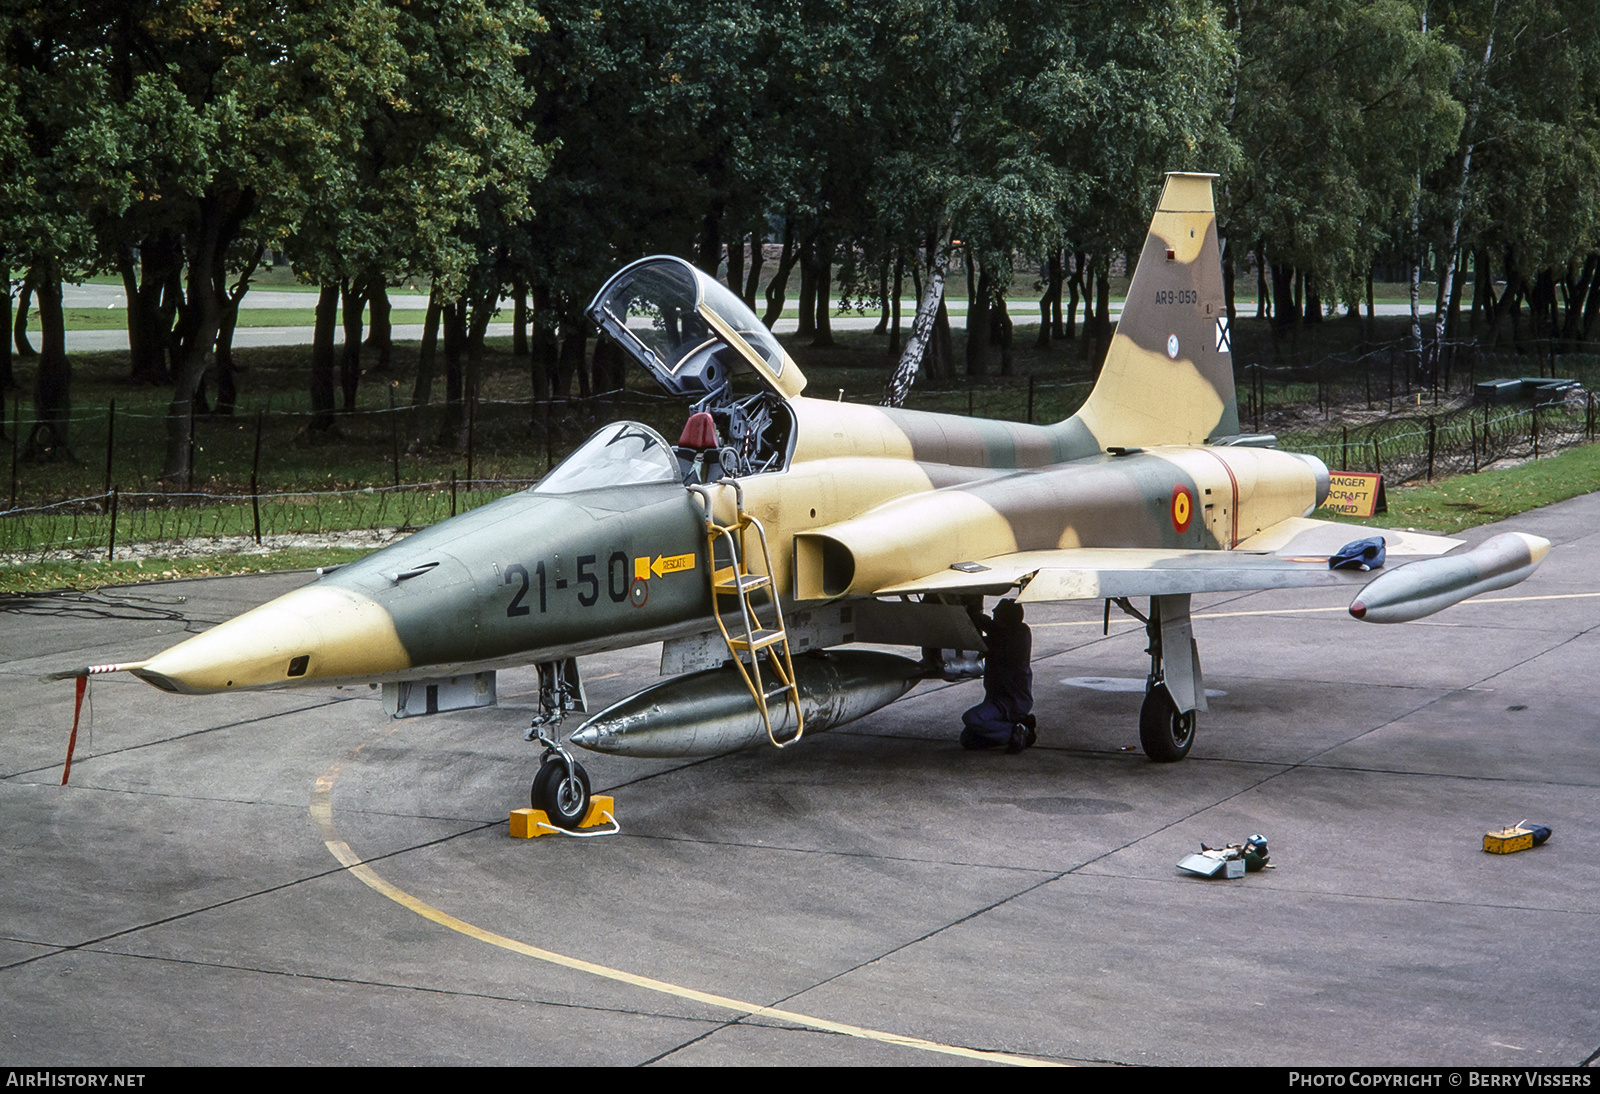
1182 508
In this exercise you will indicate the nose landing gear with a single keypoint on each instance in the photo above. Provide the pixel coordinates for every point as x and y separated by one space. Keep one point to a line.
561 788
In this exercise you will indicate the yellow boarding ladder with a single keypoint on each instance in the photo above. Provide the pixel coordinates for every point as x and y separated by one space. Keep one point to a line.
756 638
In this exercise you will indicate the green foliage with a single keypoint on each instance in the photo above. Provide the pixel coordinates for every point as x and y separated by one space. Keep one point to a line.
1339 107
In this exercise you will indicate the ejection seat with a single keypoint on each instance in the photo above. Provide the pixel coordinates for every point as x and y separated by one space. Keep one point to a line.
699 451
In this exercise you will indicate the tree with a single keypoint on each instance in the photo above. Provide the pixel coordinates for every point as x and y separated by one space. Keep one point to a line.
1340 106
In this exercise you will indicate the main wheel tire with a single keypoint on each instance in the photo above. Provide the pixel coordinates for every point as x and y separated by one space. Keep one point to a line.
1165 734
565 801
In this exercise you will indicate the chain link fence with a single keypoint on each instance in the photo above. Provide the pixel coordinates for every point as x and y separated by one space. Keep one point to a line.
1369 411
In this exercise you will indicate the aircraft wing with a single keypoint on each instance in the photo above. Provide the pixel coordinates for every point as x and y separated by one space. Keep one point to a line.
1292 554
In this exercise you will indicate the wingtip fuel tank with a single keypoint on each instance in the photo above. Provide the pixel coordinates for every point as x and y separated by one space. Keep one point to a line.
1430 585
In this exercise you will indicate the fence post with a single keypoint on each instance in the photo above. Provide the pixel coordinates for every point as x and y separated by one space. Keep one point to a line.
16 425
1344 448
472 430
1433 432
452 493
188 485
111 432
1474 427
1535 417
255 481
111 544
1377 463
394 433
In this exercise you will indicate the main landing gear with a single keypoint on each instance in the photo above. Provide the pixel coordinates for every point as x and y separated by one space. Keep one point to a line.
1175 691
561 788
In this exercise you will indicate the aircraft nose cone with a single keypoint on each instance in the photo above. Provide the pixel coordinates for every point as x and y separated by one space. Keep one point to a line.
319 632
1358 609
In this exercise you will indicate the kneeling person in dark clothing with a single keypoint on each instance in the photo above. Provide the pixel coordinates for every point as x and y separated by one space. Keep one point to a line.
1005 717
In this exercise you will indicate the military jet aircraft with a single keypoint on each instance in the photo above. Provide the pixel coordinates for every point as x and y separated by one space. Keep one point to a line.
780 528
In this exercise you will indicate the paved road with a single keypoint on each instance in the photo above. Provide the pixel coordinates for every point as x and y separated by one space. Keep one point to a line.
197 895
109 296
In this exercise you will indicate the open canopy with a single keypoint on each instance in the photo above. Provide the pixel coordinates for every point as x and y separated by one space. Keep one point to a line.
689 330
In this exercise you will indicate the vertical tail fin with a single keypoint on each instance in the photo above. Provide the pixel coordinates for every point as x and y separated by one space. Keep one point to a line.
1168 376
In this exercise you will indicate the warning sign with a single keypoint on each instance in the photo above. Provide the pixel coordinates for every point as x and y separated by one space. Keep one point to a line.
664 564
1355 494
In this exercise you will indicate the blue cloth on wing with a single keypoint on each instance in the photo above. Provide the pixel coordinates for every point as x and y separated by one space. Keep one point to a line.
1361 554
1007 676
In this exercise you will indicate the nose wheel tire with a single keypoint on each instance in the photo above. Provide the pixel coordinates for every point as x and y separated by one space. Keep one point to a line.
563 797
1166 734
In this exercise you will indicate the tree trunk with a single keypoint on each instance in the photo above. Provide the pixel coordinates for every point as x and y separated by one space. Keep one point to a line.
1074 286
808 289
1050 276
823 327
758 258
894 308
380 332
203 318
1263 296
322 406
454 320
19 328
574 350
427 358
519 319
144 287
52 388
930 306
7 377
1285 313
227 385
709 257
883 298
543 351
942 349
778 287
1089 268
1002 333
427 353
1102 308
1227 278
1458 212
736 264
979 298
1591 306
353 301
483 310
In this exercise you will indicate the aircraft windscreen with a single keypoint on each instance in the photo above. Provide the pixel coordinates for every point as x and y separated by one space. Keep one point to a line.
622 454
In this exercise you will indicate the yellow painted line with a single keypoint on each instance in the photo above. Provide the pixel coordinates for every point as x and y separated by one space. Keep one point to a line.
322 814
1341 608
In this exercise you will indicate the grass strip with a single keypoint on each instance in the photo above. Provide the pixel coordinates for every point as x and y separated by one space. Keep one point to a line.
1467 501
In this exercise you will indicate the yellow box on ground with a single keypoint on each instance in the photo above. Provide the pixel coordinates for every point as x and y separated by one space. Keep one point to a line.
1503 841
1355 494
532 823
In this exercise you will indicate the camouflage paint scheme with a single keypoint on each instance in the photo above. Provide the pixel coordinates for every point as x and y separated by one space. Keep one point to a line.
872 500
